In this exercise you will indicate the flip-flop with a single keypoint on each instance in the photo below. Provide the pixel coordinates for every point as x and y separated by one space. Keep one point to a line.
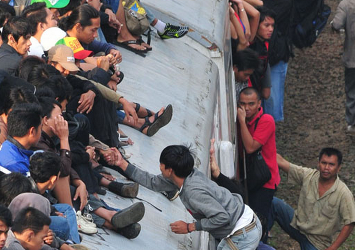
126 44
140 40
159 121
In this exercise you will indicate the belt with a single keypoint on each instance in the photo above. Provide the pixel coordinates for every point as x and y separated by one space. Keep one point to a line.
247 228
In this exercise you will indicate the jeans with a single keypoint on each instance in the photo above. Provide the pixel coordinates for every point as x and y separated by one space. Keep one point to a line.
246 241
283 214
275 104
70 218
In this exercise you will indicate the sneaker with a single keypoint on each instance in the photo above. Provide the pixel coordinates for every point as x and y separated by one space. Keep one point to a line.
131 231
351 129
173 31
84 225
171 195
129 190
128 216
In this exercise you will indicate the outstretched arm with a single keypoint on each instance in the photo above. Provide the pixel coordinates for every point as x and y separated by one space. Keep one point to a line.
283 164
343 235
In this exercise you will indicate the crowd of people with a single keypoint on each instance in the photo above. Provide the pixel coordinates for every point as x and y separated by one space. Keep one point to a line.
59 70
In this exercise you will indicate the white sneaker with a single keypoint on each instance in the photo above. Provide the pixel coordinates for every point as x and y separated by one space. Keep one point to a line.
351 129
84 224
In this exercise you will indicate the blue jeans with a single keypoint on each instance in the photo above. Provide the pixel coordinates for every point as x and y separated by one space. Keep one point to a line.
283 214
70 228
246 241
275 104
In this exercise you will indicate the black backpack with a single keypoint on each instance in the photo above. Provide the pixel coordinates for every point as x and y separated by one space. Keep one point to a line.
310 18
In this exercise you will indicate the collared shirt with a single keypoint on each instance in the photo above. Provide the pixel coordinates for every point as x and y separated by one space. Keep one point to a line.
265 135
9 59
320 218
36 49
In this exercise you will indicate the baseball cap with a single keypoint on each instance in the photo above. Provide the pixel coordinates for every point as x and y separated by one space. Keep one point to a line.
51 36
55 4
72 42
63 55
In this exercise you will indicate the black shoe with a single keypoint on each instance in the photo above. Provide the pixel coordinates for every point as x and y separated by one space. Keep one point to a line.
100 190
127 216
171 195
129 190
131 231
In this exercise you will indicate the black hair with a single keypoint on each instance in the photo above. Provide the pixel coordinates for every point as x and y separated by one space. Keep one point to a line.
7 8
250 91
265 12
83 15
70 7
179 158
38 75
27 64
44 165
23 117
4 15
60 86
48 104
246 59
5 216
35 13
12 96
12 185
330 152
30 218
17 27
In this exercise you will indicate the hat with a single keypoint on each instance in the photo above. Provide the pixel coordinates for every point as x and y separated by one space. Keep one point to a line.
73 43
63 55
25 200
55 4
51 36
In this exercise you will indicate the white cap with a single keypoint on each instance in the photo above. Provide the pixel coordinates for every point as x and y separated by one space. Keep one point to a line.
51 36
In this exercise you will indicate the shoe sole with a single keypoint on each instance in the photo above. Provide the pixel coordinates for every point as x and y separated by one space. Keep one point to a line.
131 231
128 215
130 190
161 121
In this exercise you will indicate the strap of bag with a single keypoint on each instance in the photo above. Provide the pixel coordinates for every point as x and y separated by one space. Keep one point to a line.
257 121
231 244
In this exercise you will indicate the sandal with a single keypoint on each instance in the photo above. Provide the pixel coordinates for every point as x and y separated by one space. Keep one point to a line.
137 108
141 42
159 121
126 45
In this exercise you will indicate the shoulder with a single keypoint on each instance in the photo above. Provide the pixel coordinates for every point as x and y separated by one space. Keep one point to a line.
266 121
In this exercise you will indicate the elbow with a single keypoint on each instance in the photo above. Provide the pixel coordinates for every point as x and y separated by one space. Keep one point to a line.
249 150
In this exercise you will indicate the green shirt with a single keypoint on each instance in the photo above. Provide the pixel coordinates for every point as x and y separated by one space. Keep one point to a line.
320 219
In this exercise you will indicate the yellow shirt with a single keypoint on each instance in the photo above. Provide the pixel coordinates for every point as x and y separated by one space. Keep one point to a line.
320 219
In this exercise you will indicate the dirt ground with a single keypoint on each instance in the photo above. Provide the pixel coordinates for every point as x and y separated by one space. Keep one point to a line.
314 117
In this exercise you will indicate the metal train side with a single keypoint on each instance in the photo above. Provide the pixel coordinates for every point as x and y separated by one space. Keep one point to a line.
194 75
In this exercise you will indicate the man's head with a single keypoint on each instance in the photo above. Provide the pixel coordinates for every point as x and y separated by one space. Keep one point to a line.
62 58
5 223
51 109
266 23
82 23
31 227
249 99
17 34
176 159
329 164
53 5
25 122
245 62
39 17
45 168
11 185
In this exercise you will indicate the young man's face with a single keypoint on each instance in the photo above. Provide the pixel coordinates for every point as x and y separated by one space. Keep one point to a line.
89 33
3 234
50 20
328 167
23 44
37 134
242 75
266 28
36 241
251 104
50 122
56 14
165 172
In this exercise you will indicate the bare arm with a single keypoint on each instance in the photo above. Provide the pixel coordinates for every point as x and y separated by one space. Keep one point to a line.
255 3
343 235
239 8
254 16
283 164
238 29
265 93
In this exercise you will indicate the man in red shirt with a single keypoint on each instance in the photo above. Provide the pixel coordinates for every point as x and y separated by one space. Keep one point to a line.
249 111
